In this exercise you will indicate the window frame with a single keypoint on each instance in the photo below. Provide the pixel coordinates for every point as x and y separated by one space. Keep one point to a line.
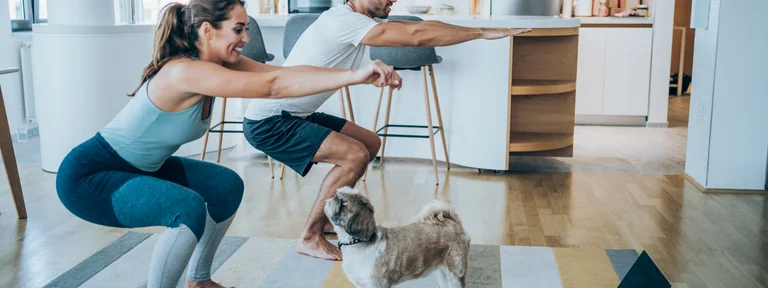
31 16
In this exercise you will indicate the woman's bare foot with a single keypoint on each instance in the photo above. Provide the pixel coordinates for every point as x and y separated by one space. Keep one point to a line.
203 284
318 247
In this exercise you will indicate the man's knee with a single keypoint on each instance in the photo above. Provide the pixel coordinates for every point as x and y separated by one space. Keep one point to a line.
374 147
358 156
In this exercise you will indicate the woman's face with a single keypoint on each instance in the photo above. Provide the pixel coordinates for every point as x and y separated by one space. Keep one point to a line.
226 43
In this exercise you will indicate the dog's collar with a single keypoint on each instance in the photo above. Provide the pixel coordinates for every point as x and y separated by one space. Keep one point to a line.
353 242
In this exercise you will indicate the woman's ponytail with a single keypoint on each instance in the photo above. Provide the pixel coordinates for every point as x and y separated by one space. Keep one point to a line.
171 40
176 34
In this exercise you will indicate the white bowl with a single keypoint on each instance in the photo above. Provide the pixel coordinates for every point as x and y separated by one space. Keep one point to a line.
418 9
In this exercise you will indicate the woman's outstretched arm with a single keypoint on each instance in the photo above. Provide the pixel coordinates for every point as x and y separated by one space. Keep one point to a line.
206 78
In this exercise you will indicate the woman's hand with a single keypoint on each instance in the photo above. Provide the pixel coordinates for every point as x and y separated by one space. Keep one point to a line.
377 74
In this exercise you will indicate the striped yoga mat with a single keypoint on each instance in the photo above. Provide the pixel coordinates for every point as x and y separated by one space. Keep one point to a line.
273 263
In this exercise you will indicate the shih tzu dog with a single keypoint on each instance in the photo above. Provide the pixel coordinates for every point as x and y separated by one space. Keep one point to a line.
376 256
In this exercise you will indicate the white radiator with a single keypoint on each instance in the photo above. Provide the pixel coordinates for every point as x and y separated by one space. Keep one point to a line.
26 81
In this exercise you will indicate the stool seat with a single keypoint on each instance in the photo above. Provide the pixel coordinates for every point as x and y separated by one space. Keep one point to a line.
418 67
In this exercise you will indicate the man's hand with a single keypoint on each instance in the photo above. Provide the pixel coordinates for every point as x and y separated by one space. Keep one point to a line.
498 33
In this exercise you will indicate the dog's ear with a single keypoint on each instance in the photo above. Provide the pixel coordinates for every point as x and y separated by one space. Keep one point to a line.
362 224
334 205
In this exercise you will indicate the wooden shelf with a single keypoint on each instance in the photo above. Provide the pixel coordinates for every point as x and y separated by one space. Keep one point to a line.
529 142
539 87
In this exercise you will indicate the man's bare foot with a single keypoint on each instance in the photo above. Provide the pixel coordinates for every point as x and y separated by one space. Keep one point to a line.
319 247
203 284
329 229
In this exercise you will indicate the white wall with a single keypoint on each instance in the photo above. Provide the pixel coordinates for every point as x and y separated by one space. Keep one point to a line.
663 22
10 83
729 76
700 115
739 140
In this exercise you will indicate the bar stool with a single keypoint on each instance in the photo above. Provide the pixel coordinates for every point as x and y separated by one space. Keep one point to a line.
9 156
254 50
411 59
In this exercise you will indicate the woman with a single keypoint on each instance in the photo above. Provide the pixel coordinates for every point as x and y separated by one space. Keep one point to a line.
125 175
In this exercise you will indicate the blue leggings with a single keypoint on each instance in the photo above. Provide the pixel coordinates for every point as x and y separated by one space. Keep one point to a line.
99 186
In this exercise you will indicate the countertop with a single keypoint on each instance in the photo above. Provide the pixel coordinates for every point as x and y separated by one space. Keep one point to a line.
266 20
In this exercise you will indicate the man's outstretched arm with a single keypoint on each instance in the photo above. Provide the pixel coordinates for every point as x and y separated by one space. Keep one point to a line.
430 34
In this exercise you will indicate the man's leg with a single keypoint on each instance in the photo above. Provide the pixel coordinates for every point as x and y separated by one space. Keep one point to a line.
350 158
371 141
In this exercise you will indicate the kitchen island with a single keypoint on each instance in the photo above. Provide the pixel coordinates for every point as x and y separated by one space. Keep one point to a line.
512 96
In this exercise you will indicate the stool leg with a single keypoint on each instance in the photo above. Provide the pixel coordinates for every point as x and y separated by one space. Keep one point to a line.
221 135
349 104
271 171
375 121
439 116
341 102
386 122
429 122
205 144
282 172
9 160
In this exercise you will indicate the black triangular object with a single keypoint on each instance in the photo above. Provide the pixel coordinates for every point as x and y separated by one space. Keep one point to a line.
644 274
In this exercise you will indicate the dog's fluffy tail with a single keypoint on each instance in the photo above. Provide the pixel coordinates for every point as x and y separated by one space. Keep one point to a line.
438 212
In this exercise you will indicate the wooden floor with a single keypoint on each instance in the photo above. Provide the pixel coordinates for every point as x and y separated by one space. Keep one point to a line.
698 240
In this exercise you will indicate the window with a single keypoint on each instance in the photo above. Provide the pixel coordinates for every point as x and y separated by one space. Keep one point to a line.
150 9
42 13
17 9
142 11
26 12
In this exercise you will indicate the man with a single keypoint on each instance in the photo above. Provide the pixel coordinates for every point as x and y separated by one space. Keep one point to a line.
293 133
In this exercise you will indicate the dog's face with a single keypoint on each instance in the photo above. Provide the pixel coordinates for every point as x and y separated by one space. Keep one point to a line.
351 213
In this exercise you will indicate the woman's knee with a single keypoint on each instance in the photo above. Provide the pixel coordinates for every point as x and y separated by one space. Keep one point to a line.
191 213
230 194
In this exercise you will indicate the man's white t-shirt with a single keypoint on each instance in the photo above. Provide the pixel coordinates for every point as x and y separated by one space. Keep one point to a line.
333 41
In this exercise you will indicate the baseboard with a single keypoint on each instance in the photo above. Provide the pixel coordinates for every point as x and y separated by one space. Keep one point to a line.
610 120
32 131
720 191
694 182
657 124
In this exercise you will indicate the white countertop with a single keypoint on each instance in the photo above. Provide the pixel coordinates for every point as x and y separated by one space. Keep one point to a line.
266 20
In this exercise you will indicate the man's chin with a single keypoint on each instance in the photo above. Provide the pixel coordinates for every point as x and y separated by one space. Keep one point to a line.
383 14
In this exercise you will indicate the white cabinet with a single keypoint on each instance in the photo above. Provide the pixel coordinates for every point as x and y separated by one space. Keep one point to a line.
590 73
614 71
